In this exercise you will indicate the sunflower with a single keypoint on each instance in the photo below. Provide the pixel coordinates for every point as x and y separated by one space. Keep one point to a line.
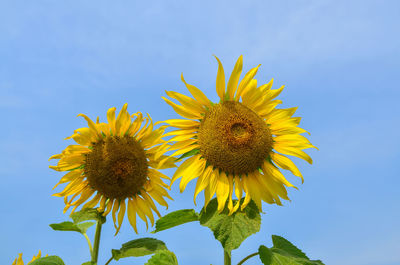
237 144
19 261
117 163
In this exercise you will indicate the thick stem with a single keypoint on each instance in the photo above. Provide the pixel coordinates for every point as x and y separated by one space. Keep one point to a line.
246 258
227 258
96 244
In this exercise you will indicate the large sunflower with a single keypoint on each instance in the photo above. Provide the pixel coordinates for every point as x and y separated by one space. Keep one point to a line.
116 163
19 261
238 143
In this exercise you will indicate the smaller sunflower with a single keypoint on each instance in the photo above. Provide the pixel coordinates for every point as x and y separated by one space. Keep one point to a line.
117 163
19 261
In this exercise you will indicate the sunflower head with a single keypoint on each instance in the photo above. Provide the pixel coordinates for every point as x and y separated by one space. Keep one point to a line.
117 163
238 143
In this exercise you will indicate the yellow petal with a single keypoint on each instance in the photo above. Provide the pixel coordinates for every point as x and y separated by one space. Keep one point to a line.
230 203
185 150
132 214
245 81
109 207
187 102
183 111
150 202
293 151
251 93
114 210
222 190
279 114
220 83
102 204
193 172
153 137
182 144
209 191
271 189
238 193
271 170
202 182
247 198
265 110
183 167
183 124
254 189
121 215
234 78
197 93
158 197
111 119
93 202
146 130
70 176
140 212
58 156
285 163
91 124
144 207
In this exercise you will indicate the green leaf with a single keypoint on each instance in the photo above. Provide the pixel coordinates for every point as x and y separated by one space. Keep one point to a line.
265 255
281 257
88 214
285 252
50 260
70 226
163 257
282 243
176 218
89 263
190 153
231 230
138 247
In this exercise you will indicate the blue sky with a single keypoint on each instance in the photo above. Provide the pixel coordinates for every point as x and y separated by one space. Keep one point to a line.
339 61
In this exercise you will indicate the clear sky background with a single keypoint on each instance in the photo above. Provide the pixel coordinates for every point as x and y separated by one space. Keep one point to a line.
339 61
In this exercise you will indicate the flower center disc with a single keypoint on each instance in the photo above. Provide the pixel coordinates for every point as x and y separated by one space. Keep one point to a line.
116 167
234 138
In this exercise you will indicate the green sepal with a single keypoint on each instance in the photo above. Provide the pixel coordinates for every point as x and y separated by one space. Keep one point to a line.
138 247
190 153
265 255
231 230
88 214
70 226
50 260
176 218
163 257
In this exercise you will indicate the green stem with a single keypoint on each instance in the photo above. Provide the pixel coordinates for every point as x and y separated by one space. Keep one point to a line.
89 243
246 258
227 258
108 261
95 252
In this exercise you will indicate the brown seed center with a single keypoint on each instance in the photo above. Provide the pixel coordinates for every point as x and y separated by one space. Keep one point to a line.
234 138
116 167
